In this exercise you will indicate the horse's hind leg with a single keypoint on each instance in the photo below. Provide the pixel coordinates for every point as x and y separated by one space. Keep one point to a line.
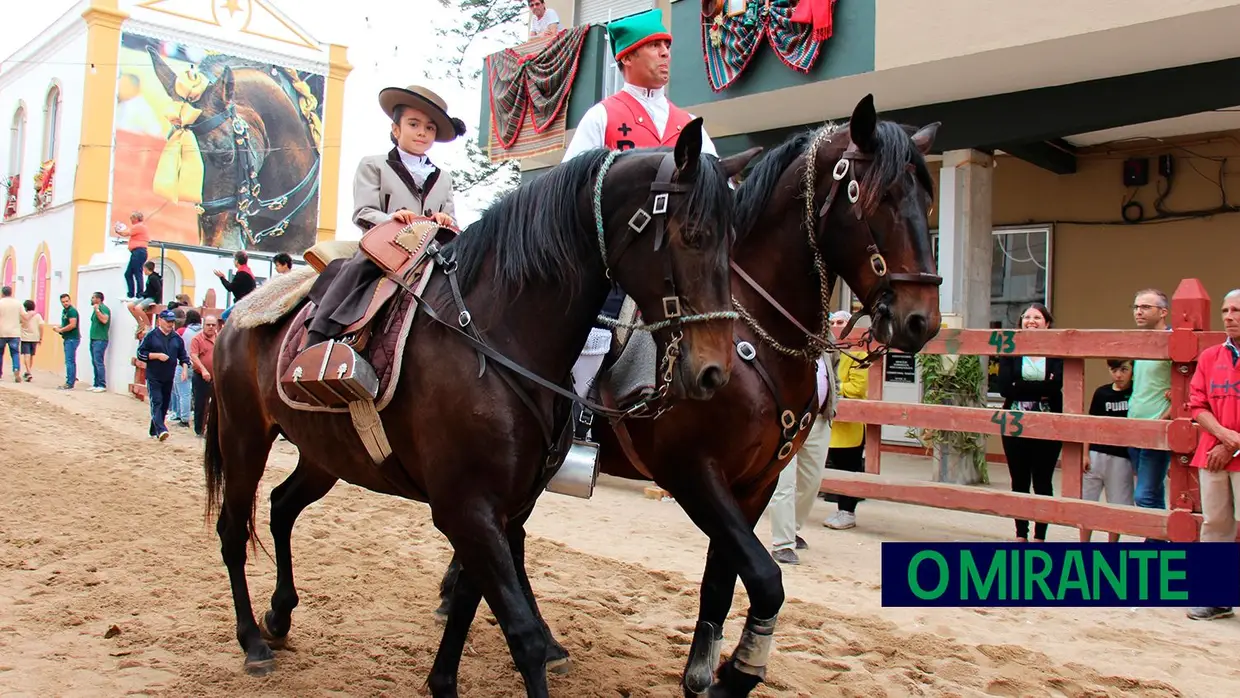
558 659
487 560
235 466
460 604
307 485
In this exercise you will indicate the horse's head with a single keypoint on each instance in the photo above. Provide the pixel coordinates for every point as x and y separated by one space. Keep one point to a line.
873 225
229 137
667 229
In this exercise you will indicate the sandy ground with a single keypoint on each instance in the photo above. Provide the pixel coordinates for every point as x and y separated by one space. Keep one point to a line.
101 527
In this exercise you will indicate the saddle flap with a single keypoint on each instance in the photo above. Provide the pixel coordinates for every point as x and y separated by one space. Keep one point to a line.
330 374
396 248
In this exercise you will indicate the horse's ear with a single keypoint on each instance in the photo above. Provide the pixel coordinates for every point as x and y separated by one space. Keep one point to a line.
924 138
167 78
863 125
226 84
735 164
689 148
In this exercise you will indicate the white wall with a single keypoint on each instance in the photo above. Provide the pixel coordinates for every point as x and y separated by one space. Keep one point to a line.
105 273
57 56
23 235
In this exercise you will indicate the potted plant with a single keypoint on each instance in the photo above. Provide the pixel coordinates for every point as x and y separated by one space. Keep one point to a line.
960 381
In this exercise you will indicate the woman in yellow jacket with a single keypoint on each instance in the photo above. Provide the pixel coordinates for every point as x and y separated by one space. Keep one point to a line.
848 440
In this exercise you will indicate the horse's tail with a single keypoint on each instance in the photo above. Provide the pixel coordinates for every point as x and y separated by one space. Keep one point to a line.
213 459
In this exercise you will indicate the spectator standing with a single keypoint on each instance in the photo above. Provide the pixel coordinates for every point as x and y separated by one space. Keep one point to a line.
183 387
138 239
1151 399
544 21
1107 468
1032 384
847 451
201 355
100 324
10 331
1214 401
283 263
152 296
801 478
162 351
72 336
243 281
32 335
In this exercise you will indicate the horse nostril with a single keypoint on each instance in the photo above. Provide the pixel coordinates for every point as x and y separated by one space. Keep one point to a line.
712 378
916 324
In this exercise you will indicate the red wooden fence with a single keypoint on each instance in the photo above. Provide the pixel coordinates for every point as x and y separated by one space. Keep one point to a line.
1189 320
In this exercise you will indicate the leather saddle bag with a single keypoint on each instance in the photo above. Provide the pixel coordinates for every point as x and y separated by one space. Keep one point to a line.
330 374
398 248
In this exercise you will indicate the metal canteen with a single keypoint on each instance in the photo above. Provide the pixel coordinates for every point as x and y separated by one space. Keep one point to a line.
578 475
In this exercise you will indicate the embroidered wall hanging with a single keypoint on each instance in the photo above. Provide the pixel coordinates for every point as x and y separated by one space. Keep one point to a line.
43 185
529 86
12 184
733 29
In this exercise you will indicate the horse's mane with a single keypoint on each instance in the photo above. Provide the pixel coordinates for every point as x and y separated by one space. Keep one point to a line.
894 149
215 63
755 192
534 231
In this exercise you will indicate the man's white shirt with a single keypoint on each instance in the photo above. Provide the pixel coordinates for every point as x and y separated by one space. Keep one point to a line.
539 25
592 131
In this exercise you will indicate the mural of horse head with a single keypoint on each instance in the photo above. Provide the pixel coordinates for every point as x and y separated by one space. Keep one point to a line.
244 147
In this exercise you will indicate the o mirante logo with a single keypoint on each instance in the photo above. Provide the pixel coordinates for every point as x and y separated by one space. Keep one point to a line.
1060 574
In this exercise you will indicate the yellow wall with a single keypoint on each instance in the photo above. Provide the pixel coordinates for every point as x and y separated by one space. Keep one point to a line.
333 124
1096 269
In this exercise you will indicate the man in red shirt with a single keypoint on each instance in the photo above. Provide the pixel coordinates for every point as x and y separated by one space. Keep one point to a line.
139 239
201 354
1215 404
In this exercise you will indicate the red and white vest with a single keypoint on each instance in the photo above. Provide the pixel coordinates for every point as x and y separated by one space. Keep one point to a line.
629 126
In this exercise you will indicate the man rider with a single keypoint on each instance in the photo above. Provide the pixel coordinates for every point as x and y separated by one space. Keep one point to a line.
638 116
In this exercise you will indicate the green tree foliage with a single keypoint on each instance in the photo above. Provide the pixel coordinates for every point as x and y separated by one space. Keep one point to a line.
472 23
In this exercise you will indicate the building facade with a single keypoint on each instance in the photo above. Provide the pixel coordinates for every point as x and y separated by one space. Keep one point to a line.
101 107
1082 156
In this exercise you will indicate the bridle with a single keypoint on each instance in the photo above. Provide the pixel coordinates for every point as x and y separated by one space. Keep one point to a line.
247 201
662 189
877 301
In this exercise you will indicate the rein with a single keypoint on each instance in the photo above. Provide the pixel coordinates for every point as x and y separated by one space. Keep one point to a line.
875 304
660 189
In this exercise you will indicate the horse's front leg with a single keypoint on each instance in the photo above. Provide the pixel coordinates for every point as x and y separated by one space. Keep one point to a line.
734 550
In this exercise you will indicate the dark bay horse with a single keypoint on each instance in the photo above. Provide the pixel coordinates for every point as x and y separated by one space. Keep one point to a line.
480 445
800 221
261 164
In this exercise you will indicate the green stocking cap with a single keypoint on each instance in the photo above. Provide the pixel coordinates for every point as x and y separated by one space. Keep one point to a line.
630 33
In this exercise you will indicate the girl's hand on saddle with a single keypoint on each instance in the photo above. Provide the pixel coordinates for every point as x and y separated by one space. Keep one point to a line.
443 219
404 216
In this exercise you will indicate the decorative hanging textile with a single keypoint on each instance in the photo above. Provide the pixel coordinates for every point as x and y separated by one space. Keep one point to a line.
730 40
12 184
43 185
535 79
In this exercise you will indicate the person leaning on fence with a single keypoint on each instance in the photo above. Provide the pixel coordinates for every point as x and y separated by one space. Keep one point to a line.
1032 384
1107 467
1214 402
1151 399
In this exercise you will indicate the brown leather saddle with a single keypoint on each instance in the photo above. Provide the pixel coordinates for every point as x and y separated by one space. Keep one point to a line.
334 374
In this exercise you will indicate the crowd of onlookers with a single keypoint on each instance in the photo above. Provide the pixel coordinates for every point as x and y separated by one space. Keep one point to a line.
1128 476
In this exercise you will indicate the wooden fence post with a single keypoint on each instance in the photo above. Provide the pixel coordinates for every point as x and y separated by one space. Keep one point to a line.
1190 313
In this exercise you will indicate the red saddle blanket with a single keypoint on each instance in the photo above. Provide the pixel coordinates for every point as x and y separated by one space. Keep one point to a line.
384 351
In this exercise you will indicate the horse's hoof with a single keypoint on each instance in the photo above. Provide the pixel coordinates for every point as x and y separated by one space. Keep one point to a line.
441 613
560 665
273 641
260 667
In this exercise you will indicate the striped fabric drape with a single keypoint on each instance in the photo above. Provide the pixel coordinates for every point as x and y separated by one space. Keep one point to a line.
729 42
529 86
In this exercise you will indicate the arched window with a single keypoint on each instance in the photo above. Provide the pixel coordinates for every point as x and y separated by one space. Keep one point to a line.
51 124
42 282
17 141
8 270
